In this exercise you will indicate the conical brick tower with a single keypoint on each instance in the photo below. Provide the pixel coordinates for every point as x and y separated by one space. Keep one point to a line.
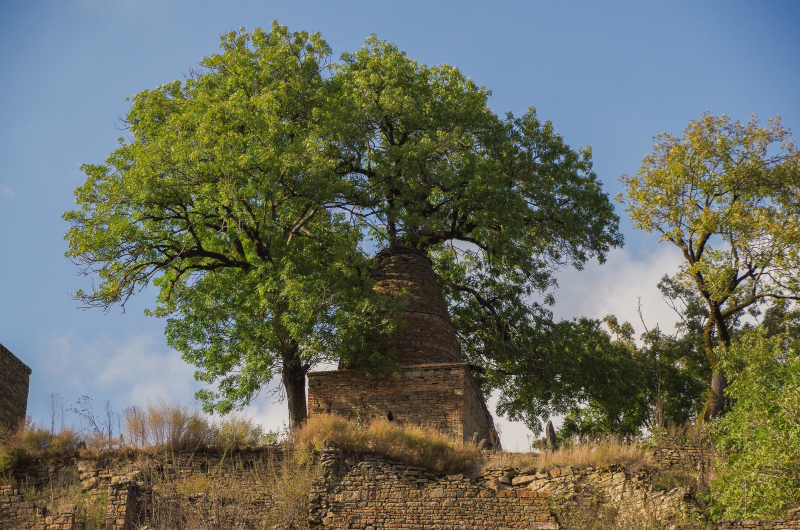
434 388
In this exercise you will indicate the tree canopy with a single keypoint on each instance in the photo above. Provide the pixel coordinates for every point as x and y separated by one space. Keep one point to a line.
727 195
252 194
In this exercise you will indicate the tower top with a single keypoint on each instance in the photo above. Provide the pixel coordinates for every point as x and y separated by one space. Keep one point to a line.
425 334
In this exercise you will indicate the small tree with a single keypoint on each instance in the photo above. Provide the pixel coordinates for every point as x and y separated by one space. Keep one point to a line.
727 195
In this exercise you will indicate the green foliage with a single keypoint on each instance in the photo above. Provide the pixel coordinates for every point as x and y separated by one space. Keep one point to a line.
9 457
248 193
594 374
727 195
761 434
225 202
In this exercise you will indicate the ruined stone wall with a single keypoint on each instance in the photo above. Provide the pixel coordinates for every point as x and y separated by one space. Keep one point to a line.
375 494
441 396
122 477
18 514
356 492
683 456
96 474
14 381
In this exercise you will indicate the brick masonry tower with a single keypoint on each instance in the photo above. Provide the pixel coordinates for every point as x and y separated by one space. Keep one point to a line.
14 381
433 387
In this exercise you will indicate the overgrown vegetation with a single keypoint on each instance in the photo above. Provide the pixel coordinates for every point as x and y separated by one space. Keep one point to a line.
407 443
90 510
159 426
273 494
761 432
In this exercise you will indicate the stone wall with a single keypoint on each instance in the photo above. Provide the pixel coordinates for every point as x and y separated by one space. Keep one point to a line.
358 492
14 381
684 456
374 494
444 397
17 513
121 475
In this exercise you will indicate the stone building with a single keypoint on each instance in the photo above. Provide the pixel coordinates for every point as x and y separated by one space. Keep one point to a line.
14 380
433 387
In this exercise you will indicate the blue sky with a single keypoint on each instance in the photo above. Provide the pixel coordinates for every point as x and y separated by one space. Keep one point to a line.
608 74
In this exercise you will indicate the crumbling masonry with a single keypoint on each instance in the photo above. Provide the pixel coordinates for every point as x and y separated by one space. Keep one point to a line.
14 381
433 388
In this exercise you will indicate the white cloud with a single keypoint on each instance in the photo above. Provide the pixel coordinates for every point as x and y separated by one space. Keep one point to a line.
126 370
8 192
615 287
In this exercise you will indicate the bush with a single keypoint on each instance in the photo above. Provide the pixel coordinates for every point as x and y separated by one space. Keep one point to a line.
8 460
167 425
34 438
235 432
761 433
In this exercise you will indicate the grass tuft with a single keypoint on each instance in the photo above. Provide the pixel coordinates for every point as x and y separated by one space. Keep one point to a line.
411 444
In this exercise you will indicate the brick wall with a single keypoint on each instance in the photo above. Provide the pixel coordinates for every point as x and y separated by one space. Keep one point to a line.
433 387
14 381
426 334
441 396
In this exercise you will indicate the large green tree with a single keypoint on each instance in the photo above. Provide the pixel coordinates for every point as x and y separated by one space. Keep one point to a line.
222 200
498 204
727 195
248 194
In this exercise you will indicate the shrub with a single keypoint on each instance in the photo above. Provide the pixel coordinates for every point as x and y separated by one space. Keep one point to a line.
8 460
32 437
761 433
236 431
35 439
168 425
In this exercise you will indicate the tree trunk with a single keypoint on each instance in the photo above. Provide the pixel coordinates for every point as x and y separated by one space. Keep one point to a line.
716 399
293 375
716 396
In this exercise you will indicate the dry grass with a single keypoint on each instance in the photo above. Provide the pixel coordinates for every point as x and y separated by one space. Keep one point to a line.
237 431
592 453
274 495
414 445
167 425
90 511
